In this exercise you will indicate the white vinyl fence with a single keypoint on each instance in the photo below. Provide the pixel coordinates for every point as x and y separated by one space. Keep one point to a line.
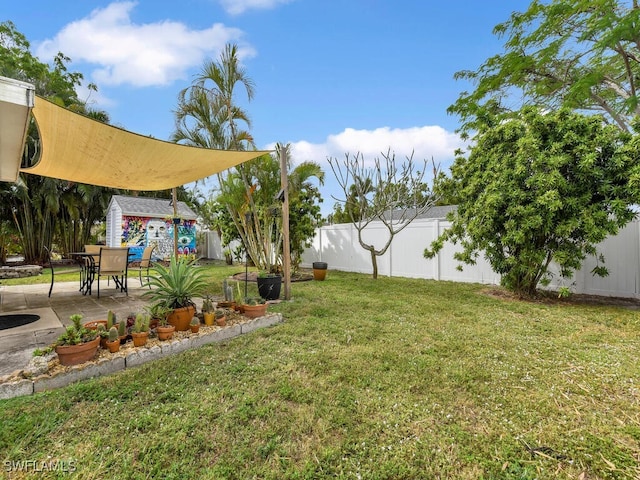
338 246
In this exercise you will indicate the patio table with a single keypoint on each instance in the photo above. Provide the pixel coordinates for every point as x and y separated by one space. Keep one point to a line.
87 270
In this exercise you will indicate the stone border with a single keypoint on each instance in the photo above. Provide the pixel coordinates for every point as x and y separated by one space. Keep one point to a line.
106 366
19 271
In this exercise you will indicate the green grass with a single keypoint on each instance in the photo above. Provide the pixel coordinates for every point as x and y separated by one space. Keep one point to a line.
387 379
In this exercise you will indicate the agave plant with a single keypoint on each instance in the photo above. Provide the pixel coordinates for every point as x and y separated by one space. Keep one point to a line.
176 285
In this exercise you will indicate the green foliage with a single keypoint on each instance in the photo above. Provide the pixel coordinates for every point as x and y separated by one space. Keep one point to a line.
579 54
122 328
159 311
47 210
195 321
113 334
248 211
141 323
417 379
542 187
111 319
175 285
76 333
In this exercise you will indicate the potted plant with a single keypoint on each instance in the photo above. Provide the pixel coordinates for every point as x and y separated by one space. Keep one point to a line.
195 325
221 319
122 331
103 334
207 310
140 333
255 307
160 312
227 291
93 324
113 342
269 285
175 286
77 344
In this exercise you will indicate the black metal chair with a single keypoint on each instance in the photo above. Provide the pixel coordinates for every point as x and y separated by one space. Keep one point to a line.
54 272
145 264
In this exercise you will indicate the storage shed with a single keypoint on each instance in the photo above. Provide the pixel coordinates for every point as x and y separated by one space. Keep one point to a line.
136 222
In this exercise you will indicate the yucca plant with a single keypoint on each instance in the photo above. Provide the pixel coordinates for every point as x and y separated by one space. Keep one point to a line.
176 285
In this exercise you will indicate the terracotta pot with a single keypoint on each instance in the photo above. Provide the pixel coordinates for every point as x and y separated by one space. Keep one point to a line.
225 304
181 318
208 318
222 321
139 339
93 324
76 354
166 332
195 328
113 346
255 311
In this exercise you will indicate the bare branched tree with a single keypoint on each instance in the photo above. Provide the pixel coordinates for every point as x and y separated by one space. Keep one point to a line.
394 195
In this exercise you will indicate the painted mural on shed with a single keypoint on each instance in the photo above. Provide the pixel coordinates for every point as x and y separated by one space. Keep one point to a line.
137 222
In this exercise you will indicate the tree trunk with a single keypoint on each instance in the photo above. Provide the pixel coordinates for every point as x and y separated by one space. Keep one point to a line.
374 263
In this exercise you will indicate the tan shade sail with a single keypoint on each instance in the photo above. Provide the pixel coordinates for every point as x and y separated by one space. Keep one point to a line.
79 149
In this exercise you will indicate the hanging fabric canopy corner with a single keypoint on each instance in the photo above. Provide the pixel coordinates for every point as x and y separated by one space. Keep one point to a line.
79 149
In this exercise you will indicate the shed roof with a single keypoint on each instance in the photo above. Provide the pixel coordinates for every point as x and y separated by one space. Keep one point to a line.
151 207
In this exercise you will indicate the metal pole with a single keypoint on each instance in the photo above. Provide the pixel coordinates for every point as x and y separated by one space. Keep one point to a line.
174 196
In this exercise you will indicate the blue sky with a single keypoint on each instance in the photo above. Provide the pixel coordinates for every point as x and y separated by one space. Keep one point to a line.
331 76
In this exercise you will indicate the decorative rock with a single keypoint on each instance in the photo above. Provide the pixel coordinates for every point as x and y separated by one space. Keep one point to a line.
41 382
143 355
261 322
37 366
16 389
20 271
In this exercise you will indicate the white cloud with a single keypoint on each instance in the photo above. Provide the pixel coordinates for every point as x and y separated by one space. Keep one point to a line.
236 7
424 142
137 54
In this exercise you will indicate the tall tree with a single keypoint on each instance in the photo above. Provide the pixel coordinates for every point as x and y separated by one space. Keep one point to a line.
541 187
45 209
374 194
579 54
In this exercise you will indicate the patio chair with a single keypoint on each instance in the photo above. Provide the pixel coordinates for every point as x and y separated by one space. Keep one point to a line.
113 263
74 269
95 251
145 264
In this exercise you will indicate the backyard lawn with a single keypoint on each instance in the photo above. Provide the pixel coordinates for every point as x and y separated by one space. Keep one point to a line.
394 378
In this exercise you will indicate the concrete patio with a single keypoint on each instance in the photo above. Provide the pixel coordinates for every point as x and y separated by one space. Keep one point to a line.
17 344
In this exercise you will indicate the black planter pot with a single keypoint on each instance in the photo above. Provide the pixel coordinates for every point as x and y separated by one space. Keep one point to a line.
269 287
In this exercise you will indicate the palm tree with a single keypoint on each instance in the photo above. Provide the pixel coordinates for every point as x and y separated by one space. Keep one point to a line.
207 115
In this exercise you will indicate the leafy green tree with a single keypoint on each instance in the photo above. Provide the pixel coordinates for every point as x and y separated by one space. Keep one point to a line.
45 210
579 54
539 188
261 233
392 194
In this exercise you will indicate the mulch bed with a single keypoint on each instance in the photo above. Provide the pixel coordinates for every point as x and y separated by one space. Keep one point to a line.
252 277
551 298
